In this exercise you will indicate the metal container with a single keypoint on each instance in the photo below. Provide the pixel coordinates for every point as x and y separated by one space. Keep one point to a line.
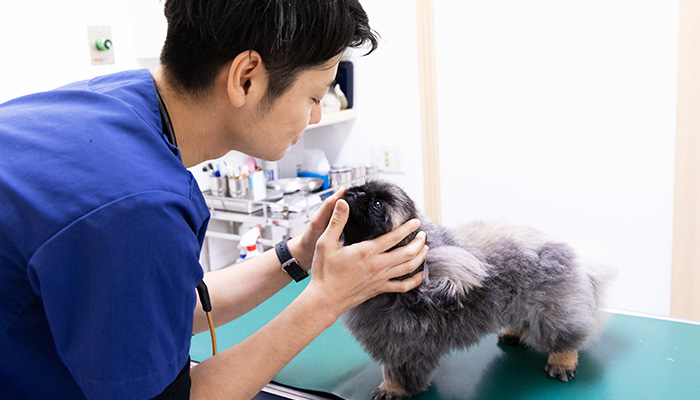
340 177
239 188
358 174
219 185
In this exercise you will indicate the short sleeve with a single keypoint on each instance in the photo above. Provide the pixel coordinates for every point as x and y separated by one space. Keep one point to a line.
118 288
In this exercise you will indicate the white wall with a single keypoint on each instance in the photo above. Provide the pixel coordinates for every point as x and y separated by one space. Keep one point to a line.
44 44
386 99
562 115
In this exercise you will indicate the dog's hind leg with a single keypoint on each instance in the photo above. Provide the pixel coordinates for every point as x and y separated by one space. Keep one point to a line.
562 365
510 336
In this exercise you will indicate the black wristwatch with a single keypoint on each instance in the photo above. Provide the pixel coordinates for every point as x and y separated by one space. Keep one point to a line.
289 263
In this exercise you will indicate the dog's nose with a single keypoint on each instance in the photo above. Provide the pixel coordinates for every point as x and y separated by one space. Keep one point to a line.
353 195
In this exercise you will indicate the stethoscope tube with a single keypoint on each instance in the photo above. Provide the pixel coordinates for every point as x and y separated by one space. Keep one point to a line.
201 287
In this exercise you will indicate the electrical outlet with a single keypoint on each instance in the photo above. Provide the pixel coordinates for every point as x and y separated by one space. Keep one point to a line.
100 45
389 159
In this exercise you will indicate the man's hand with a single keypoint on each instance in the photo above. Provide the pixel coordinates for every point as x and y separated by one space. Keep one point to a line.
345 276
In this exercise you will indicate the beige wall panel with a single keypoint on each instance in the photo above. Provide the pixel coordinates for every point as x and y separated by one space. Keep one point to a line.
428 101
685 285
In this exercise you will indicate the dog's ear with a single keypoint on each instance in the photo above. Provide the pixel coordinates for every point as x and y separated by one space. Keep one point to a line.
451 273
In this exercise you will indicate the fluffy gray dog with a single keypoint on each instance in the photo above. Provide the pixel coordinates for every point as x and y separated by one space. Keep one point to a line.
479 279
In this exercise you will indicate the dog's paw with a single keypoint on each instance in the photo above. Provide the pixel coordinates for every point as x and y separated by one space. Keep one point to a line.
509 339
381 394
510 336
562 365
564 374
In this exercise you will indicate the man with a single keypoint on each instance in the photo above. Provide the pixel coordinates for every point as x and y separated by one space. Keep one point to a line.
101 224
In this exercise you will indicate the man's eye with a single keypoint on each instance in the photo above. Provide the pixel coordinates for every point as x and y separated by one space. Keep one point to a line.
316 101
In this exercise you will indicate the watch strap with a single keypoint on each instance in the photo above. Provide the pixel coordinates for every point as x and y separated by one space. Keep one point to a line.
289 263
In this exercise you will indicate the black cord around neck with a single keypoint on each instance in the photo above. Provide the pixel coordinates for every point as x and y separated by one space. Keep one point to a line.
165 120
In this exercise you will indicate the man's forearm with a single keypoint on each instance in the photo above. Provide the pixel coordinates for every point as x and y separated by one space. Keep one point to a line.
238 289
241 371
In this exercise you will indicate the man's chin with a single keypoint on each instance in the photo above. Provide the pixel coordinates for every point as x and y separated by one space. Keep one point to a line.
267 154
273 156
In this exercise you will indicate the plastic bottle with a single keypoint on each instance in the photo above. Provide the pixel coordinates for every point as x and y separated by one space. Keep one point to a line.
249 243
271 170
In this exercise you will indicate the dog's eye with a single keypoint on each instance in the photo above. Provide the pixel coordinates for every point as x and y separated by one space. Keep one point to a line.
377 205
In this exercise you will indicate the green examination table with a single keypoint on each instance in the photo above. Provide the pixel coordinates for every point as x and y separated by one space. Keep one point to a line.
635 358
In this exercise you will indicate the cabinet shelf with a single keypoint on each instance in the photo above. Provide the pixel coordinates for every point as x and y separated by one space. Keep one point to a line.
334 118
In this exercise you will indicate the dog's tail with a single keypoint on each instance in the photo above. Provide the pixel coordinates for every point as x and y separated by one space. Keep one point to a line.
600 277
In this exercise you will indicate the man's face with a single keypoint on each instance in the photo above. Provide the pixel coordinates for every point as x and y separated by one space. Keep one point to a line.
276 127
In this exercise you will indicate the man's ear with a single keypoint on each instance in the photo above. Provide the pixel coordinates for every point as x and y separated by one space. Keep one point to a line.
247 78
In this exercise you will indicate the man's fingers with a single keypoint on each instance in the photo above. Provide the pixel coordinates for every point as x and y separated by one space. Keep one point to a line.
405 253
391 239
415 259
404 285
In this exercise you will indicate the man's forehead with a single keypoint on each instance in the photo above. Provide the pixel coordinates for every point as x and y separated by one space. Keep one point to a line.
319 79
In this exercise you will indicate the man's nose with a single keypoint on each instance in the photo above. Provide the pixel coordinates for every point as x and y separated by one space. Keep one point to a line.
315 116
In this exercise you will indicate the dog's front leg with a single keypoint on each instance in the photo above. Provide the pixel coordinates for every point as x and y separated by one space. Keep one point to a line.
390 389
402 382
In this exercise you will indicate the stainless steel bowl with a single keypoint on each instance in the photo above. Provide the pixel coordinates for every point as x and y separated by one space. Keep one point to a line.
291 185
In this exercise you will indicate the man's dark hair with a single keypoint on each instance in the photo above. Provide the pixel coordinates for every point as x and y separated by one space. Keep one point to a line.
290 35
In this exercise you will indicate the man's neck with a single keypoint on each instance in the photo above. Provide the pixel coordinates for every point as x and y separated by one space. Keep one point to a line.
194 123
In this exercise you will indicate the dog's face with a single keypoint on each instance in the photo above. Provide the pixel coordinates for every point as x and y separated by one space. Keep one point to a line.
377 207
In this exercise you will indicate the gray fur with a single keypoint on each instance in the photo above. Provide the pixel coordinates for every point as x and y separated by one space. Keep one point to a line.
479 278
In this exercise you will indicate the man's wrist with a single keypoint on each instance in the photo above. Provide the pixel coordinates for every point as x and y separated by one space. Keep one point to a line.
303 259
319 307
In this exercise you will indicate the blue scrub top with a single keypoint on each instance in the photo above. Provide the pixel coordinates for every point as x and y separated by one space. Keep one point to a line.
101 227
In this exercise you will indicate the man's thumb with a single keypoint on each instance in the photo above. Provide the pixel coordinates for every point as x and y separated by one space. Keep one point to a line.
341 211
